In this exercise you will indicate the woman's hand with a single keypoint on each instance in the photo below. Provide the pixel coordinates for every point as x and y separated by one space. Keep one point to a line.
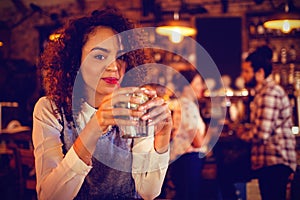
155 111
106 116
159 115
115 105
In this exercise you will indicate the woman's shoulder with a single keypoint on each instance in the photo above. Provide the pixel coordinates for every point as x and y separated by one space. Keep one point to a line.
45 121
44 107
188 104
43 103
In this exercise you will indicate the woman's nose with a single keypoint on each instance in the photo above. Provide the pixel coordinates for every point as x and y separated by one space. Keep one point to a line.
113 66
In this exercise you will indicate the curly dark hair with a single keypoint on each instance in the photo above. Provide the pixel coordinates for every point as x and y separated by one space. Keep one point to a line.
61 59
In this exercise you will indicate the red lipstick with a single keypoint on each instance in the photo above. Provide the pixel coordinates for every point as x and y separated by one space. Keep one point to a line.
111 80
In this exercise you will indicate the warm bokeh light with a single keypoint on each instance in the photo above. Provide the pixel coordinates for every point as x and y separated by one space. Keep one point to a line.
176 37
176 30
54 36
286 28
295 130
285 25
244 92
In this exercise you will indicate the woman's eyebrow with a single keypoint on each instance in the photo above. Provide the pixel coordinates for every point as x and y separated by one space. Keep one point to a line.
101 49
120 52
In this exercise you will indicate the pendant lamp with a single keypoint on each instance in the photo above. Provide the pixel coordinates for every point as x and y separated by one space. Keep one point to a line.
284 21
176 29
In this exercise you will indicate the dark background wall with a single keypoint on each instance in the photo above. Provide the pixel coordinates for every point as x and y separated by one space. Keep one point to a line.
221 38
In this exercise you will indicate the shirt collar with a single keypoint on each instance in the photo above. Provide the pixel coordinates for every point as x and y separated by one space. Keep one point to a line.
264 83
88 110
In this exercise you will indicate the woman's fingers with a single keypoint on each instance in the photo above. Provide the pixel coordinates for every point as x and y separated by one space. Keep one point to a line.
125 90
131 97
127 105
118 116
154 102
157 111
126 112
120 113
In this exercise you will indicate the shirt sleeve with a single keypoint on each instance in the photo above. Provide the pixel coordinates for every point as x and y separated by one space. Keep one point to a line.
190 117
58 176
148 167
190 125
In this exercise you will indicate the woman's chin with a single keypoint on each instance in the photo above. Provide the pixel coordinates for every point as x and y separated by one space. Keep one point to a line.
105 90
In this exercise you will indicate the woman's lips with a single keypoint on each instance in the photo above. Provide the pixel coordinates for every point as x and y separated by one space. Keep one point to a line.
111 80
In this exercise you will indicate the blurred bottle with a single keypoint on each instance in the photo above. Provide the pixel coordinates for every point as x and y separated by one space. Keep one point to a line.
289 88
275 57
252 28
292 54
260 28
297 98
283 55
284 77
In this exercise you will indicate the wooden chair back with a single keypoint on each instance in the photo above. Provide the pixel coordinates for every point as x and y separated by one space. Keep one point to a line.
26 172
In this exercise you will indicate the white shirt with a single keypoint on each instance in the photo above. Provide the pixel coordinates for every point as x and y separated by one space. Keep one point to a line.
61 177
187 121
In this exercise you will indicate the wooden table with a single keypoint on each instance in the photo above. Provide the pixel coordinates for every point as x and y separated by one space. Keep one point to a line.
21 139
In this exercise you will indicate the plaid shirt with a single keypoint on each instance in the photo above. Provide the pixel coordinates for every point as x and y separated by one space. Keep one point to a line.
271 119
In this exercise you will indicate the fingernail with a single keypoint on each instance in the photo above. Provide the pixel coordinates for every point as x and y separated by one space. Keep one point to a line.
141 108
146 90
150 122
145 117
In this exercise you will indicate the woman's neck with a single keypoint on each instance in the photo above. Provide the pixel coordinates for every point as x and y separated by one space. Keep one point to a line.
93 98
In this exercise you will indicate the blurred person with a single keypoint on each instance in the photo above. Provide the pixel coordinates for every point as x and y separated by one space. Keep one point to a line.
70 143
273 155
187 137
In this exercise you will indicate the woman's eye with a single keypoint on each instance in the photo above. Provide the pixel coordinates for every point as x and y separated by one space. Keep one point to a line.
100 57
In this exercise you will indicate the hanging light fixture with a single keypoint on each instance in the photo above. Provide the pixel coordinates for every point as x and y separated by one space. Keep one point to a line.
284 21
176 29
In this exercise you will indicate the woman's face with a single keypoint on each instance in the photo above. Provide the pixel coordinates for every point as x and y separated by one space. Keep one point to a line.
198 86
100 66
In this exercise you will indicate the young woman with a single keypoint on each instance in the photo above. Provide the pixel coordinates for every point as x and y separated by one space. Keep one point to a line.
79 151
